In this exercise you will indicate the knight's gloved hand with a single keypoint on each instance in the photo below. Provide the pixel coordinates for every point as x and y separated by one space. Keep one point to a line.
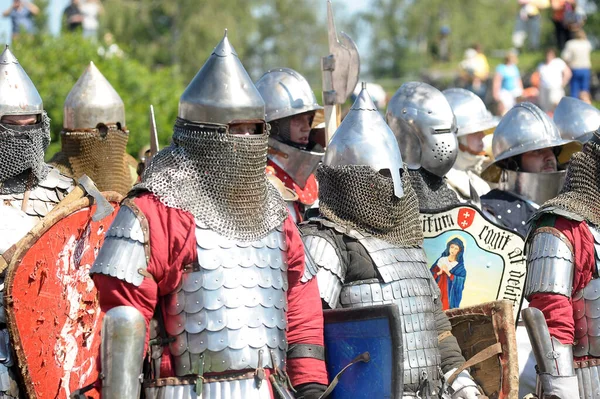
310 391
463 386
559 387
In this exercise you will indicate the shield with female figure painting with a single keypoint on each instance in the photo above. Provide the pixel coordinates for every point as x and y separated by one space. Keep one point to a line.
473 260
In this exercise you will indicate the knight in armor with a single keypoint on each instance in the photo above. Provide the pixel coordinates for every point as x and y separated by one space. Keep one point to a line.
576 120
562 281
205 244
294 149
526 145
425 128
473 121
29 188
367 248
94 136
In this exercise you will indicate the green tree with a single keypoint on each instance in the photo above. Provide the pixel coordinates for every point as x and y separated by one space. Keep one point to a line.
55 64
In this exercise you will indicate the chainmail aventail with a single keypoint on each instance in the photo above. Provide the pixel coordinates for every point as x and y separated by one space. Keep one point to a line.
22 151
219 178
358 197
433 191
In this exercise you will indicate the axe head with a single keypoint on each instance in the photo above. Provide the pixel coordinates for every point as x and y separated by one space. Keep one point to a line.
103 207
347 60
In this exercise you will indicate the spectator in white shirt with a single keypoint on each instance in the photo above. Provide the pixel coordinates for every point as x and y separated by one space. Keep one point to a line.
577 54
554 76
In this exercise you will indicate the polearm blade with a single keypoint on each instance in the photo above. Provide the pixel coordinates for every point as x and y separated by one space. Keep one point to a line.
340 69
153 136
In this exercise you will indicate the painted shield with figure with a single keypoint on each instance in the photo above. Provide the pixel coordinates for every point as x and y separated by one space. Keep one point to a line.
363 349
52 307
473 260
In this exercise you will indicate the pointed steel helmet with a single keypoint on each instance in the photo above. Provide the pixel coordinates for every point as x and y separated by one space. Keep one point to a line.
364 139
576 120
286 93
222 92
425 127
471 114
18 95
93 101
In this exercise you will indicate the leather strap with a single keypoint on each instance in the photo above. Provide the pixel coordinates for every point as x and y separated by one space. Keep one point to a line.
484 355
306 350
444 335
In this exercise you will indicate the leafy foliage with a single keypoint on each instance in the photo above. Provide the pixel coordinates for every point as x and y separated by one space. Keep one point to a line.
55 64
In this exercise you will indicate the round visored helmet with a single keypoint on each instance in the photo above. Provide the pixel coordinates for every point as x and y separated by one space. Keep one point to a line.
471 114
425 127
222 91
93 101
18 95
286 93
576 120
364 139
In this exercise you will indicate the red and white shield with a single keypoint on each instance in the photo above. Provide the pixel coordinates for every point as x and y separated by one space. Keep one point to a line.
51 303
465 217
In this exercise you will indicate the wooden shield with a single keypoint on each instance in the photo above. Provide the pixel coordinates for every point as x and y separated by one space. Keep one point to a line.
51 303
486 335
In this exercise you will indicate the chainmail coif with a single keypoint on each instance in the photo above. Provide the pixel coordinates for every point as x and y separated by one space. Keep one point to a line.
358 197
219 178
580 194
22 151
433 191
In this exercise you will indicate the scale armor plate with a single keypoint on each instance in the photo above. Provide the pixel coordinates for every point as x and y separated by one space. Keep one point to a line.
550 263
586 310
231 305
407 282
44 196
588 379
125 252
246 389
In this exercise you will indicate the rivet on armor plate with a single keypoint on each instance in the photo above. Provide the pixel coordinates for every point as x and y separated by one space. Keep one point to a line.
508 211
518 206
499 216
221 340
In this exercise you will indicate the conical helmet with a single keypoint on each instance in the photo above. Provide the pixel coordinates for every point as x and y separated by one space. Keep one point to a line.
425 127
222 91
364 139
471 114
576 120
18 95
286 93
93 101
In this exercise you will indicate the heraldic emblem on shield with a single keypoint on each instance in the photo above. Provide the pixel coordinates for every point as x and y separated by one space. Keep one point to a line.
473 260
51 303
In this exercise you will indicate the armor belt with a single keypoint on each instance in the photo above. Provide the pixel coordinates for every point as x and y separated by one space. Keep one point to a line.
101 157
22 153
219 178
432 191
358 197
580 193
229 312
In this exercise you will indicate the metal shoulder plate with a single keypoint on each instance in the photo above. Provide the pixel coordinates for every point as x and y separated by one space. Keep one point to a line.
550 263
596 234
327 265
126 250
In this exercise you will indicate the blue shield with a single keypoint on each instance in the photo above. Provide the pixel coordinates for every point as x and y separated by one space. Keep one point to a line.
352 332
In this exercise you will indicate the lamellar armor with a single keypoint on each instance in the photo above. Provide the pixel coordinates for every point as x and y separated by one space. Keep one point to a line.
551 270
369 207
29 188
228 313
94 136
287 93
425 128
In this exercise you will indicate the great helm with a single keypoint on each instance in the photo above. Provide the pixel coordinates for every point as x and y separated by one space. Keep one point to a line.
471 114
286 93
93 101
18 95
425 127
576 120
363 138
222 92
